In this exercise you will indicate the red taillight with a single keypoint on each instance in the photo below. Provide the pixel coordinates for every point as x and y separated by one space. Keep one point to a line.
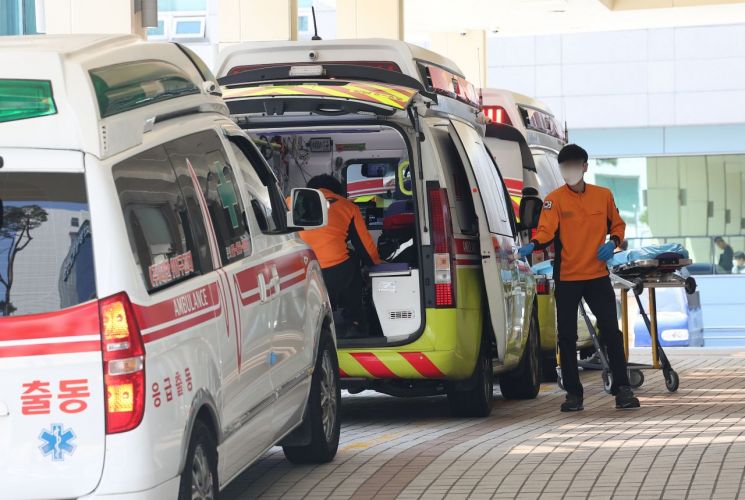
123 364
442 240
542 286
497 114
386 65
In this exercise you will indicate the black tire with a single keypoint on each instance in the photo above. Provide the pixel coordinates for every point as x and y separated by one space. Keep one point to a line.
524 382
475 402
608 382
548 368
636 378
323 408
672 381
199 477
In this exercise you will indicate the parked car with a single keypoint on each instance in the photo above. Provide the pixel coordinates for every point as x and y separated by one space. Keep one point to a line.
456 308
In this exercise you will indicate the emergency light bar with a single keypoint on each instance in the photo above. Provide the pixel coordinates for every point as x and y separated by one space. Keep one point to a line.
21 99
126 86
386 65
444 82
497 114
543 122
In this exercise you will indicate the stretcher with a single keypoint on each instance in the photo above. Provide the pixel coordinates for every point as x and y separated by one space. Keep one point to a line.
648 268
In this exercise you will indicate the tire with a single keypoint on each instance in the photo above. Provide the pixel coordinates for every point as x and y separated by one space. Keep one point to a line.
548 368
475 402
323 410
199 477
524 382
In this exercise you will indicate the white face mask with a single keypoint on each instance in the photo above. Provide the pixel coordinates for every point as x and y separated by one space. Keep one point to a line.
572 176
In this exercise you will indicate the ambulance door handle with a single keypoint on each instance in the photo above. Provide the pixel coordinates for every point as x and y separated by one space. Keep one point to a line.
262 287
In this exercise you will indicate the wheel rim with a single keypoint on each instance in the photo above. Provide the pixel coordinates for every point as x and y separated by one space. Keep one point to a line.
202 483
328 396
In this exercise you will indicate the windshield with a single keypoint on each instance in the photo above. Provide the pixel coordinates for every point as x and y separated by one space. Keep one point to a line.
46 253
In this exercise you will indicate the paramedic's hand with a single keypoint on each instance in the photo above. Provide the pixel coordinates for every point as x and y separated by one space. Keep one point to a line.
605 252
526 250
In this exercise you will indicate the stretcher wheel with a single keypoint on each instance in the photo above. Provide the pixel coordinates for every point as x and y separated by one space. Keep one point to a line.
636 378
638 286
672 381
607 381
690 285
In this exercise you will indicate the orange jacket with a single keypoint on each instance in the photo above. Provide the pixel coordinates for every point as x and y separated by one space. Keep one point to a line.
578 223
345 224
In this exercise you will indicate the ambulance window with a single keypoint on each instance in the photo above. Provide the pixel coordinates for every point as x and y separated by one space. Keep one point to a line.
46 252
202 153
487 177
457 181
159 224
261 198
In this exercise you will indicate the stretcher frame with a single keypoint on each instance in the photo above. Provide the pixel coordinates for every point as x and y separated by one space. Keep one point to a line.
650 274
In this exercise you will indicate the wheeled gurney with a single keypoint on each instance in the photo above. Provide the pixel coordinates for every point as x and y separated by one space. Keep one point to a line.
650 267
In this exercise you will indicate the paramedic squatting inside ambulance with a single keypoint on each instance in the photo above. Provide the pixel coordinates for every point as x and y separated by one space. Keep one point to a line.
577 217
340 267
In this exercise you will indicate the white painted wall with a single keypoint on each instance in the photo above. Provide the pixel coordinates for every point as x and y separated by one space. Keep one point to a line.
641 78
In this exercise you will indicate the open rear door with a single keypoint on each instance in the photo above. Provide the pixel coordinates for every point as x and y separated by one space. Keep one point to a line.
505 289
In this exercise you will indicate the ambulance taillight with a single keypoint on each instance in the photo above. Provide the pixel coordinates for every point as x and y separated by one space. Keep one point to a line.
123 364
497 114
444 245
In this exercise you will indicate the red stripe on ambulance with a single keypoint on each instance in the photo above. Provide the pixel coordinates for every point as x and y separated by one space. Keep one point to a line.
373 365
422 364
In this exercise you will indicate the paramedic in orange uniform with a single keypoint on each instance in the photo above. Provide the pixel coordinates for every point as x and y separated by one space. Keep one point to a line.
341 268
578 217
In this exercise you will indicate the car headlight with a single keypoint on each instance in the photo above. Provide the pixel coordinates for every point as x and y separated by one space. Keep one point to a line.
675 335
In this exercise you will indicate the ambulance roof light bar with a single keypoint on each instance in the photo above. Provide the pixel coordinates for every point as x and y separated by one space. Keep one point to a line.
444 82
22 99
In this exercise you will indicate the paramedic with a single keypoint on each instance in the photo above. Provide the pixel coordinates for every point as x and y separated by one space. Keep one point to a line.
340 267
577 217
725 259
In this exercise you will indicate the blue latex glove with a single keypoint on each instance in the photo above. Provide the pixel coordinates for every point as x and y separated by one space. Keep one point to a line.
526 250
605 252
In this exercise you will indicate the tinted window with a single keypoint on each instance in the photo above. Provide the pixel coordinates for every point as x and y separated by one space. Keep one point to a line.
46 252
160 229
457 181
202 157
262 188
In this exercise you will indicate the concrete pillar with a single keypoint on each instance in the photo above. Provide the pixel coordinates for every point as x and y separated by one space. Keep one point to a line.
370 19
92 16
467 49
256 20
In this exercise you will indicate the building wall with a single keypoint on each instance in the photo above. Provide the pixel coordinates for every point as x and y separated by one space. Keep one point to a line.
645 78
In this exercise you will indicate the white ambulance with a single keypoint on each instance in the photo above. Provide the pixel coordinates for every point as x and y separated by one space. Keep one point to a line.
160 324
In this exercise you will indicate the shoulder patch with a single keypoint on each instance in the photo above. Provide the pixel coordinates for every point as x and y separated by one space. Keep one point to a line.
548 204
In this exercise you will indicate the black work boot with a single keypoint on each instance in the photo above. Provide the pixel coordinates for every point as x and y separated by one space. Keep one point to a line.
572 403
625 398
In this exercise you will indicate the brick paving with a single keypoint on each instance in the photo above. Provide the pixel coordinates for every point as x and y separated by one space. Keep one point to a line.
690 444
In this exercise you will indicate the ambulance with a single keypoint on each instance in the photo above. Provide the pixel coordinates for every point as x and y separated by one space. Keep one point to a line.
161 323
539 175
454 306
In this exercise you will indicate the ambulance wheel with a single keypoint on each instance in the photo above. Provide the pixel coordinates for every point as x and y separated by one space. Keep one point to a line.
672 381
524 382
322 411
690 285
476 401
199 477
636 378
607 382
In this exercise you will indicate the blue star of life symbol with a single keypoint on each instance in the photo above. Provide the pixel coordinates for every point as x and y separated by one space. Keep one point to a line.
57 442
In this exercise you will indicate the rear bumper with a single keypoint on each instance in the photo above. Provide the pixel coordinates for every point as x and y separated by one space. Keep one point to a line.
446 350
169 489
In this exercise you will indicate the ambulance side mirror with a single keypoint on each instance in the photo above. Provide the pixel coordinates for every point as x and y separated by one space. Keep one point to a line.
530 211
309 209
